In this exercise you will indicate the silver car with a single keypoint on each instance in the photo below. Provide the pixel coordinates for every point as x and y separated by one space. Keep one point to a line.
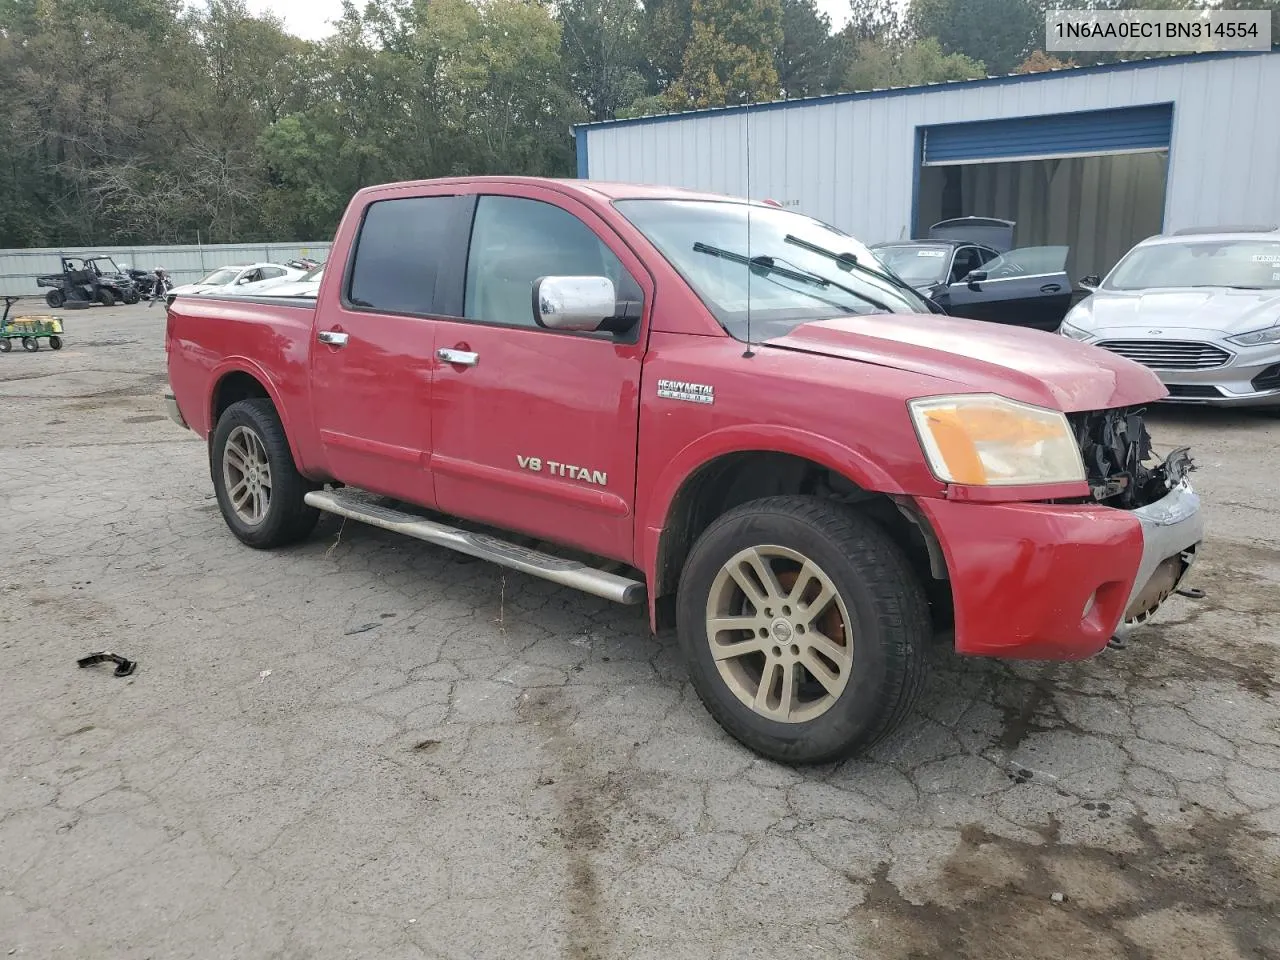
1200 308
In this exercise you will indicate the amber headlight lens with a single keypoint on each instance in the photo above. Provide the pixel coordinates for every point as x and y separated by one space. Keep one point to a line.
987 440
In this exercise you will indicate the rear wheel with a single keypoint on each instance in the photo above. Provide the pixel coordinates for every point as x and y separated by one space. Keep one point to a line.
258 487
106 297
5 345
804 628
30 344
55 342
55 299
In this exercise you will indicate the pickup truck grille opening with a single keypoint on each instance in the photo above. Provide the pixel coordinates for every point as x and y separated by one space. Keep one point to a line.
1169 354
1118 462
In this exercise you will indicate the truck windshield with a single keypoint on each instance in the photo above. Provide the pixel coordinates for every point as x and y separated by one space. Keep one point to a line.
1244 264
779 269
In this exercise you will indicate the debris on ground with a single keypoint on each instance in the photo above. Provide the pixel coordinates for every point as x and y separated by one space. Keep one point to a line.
363 628
124 667
263 676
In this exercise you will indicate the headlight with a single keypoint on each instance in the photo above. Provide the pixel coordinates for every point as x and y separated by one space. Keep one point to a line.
987 440
1075 333
1255 337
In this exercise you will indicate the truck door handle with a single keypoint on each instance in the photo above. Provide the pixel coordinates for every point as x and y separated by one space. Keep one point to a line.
1051 288
335 338
461 358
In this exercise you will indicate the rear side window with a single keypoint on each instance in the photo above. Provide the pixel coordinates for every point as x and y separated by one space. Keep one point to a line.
398 253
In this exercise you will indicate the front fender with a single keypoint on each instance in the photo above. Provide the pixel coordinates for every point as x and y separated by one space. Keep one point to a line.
859 466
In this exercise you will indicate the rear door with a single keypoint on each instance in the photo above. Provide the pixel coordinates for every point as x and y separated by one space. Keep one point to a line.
534 430
373 346
1027 287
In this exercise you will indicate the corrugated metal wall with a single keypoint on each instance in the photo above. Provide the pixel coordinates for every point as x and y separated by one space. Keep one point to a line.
19 268
852 161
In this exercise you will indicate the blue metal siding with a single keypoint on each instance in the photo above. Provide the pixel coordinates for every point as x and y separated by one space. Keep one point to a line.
580 146
1051 135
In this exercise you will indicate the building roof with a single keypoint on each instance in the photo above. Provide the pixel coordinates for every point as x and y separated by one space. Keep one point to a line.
945 84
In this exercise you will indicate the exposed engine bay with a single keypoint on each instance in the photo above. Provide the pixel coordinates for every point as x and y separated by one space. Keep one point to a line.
1118 463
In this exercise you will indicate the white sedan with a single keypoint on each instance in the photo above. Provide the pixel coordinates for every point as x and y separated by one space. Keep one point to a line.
241 278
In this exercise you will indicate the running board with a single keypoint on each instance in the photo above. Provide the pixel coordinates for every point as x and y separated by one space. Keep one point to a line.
567 573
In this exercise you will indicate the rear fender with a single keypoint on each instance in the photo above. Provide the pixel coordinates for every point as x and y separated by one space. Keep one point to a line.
232 365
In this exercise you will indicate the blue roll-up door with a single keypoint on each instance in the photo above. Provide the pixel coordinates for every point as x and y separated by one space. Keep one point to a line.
1121 130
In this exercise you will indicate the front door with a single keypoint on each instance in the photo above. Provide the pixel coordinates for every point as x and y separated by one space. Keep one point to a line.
1027 287
535 430
372 348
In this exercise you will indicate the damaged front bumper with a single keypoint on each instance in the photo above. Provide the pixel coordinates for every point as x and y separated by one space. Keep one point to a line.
1172 530
1054 581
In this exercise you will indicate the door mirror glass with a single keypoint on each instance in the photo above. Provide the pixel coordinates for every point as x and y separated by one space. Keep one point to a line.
1090 282
573 303
975 276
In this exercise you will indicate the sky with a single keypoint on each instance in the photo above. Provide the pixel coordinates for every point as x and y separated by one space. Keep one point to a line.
310 19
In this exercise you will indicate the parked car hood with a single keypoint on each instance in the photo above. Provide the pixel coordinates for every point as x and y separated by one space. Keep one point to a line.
1212 308
1016 362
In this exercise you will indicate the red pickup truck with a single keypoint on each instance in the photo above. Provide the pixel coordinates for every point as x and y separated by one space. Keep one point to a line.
726 410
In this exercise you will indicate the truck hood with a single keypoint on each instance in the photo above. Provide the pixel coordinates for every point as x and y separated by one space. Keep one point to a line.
978 357
1214 308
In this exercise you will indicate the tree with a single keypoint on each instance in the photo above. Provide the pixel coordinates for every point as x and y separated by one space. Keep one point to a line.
730 56
600 41
876 66
809 61
1000 33
1041 62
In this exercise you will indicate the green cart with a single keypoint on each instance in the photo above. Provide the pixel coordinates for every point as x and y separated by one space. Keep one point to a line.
30 330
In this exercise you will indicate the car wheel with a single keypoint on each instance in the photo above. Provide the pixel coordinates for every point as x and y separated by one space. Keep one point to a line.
258 487
804 628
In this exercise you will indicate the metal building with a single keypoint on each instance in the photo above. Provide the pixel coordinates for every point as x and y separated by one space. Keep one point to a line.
1093 157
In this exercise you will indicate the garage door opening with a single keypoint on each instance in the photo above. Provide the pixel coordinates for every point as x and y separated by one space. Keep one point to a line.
1092 181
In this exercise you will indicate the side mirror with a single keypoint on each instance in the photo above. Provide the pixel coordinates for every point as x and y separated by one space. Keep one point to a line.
975 277
1090 282
574 303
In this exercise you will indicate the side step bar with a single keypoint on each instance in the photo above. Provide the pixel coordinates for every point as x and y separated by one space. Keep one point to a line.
567 573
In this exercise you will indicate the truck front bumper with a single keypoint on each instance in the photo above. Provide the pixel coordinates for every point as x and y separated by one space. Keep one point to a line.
1042 581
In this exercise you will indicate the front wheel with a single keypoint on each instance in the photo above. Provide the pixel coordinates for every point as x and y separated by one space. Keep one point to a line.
258 487
55 342
132 297
55 299
106 297
30 344
804 628
5 345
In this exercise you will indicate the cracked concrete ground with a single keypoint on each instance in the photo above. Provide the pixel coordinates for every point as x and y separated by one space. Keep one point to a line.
448 762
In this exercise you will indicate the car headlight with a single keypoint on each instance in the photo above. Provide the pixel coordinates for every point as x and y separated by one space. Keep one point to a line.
1074 332
988 440
1255 337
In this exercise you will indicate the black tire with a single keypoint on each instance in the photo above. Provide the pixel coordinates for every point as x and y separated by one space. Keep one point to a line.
132 297
55 299
886 605
288 519
106 297
30 344
55 342
5 345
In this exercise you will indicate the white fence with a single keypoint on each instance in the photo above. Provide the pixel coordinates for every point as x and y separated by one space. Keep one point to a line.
19 268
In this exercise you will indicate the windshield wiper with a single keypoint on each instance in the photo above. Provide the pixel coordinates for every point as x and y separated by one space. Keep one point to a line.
790 271
849 261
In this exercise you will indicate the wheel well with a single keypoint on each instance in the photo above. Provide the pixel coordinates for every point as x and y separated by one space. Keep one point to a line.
233 388
736 478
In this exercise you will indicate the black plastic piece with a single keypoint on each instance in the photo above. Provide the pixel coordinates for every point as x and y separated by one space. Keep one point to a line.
124 667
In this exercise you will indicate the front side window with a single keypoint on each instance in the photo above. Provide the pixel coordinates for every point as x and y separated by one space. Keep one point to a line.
1243 264
514 241
219 277
398 252
767 268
